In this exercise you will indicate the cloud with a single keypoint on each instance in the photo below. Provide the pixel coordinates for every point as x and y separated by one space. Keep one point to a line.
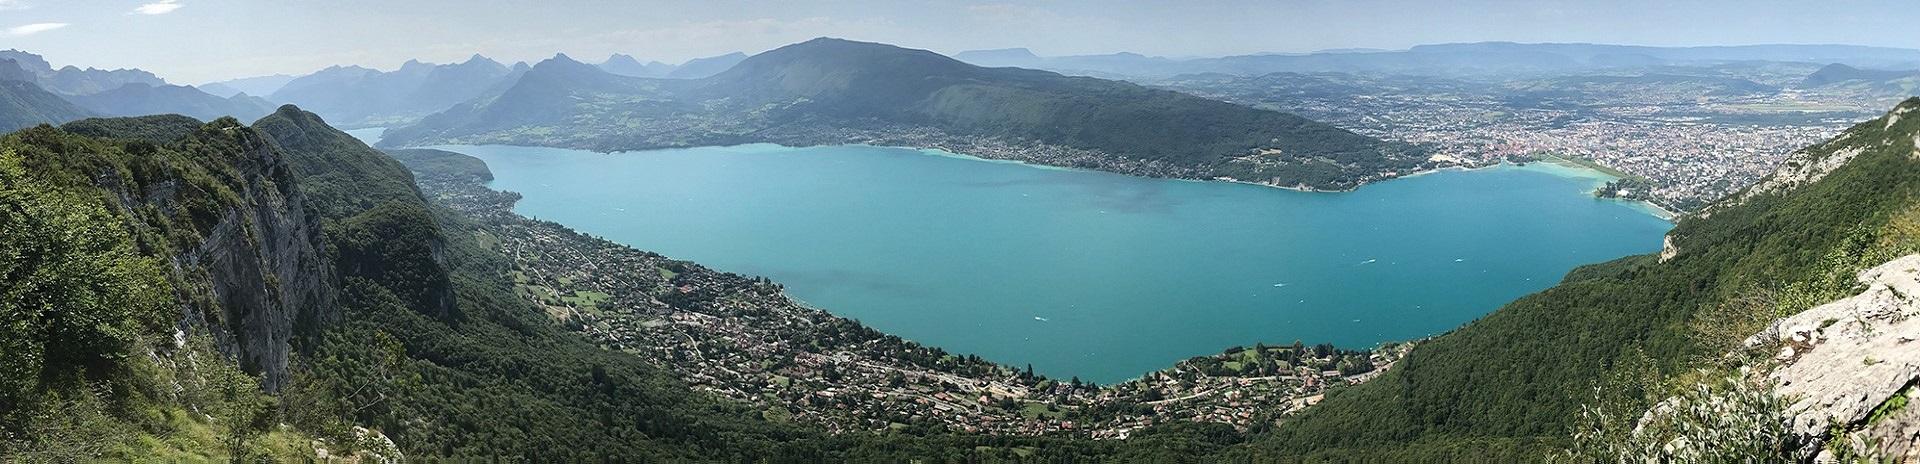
158 8
35 28
6 5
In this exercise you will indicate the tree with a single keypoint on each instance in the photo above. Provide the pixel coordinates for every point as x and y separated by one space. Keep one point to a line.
78 296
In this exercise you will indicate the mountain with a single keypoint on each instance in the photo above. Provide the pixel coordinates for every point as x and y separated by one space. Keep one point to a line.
258 85
1837 73
1619 336
359 96
1884 83
702 67
23 104
142 99
828 91
1466 59
627 65
70 80
286 284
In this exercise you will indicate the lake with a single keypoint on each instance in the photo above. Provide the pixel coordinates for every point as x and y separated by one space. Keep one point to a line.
1089 274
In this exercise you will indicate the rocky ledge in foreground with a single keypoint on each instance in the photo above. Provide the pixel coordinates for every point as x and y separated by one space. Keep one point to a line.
1849 366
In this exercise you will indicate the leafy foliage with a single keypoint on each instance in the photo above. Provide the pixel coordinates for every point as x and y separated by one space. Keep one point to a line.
1724 419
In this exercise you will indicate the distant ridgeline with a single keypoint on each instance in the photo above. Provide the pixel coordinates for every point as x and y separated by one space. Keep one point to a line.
830 91
33 92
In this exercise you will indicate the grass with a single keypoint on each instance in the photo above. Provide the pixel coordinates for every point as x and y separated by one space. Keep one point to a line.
1893 405
191 439
1036 410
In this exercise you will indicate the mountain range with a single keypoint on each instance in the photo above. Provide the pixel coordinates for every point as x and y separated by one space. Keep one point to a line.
357 96
138 99
837 91
258 85
1483 58
696 68
77 93
71 80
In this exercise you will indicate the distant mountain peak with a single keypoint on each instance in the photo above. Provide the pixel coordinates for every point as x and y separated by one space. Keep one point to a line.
415 66
477 61
1840 72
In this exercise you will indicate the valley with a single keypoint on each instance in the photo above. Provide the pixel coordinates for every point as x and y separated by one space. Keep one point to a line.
425 232
743 338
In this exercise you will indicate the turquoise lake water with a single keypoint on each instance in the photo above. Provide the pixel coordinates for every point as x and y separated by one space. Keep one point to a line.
1088 274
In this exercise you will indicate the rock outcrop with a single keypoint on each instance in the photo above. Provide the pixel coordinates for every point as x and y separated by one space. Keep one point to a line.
259 274
265 263
1842 361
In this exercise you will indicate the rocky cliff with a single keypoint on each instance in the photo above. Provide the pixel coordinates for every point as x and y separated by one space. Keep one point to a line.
252 272
1849 366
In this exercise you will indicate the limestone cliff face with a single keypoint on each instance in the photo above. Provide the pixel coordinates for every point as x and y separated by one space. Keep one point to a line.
265 264
388 233
1841 361
259 275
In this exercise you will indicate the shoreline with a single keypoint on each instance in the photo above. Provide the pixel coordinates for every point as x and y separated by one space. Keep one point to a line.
1649 207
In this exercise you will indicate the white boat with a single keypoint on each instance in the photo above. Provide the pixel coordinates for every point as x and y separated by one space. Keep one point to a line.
1038 318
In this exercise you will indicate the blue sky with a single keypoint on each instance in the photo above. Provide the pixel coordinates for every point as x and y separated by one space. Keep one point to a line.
192 41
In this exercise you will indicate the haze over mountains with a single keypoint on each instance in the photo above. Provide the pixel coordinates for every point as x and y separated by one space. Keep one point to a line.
357 96
627 65
72 80
354 96
259 85
1450 59
838 91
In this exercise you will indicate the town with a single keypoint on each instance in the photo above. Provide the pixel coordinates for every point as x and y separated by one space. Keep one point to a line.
1678 142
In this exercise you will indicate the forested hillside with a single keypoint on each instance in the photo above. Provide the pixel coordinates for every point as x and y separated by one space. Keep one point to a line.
1511 385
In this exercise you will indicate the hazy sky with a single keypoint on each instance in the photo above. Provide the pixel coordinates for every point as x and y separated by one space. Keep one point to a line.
192 41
